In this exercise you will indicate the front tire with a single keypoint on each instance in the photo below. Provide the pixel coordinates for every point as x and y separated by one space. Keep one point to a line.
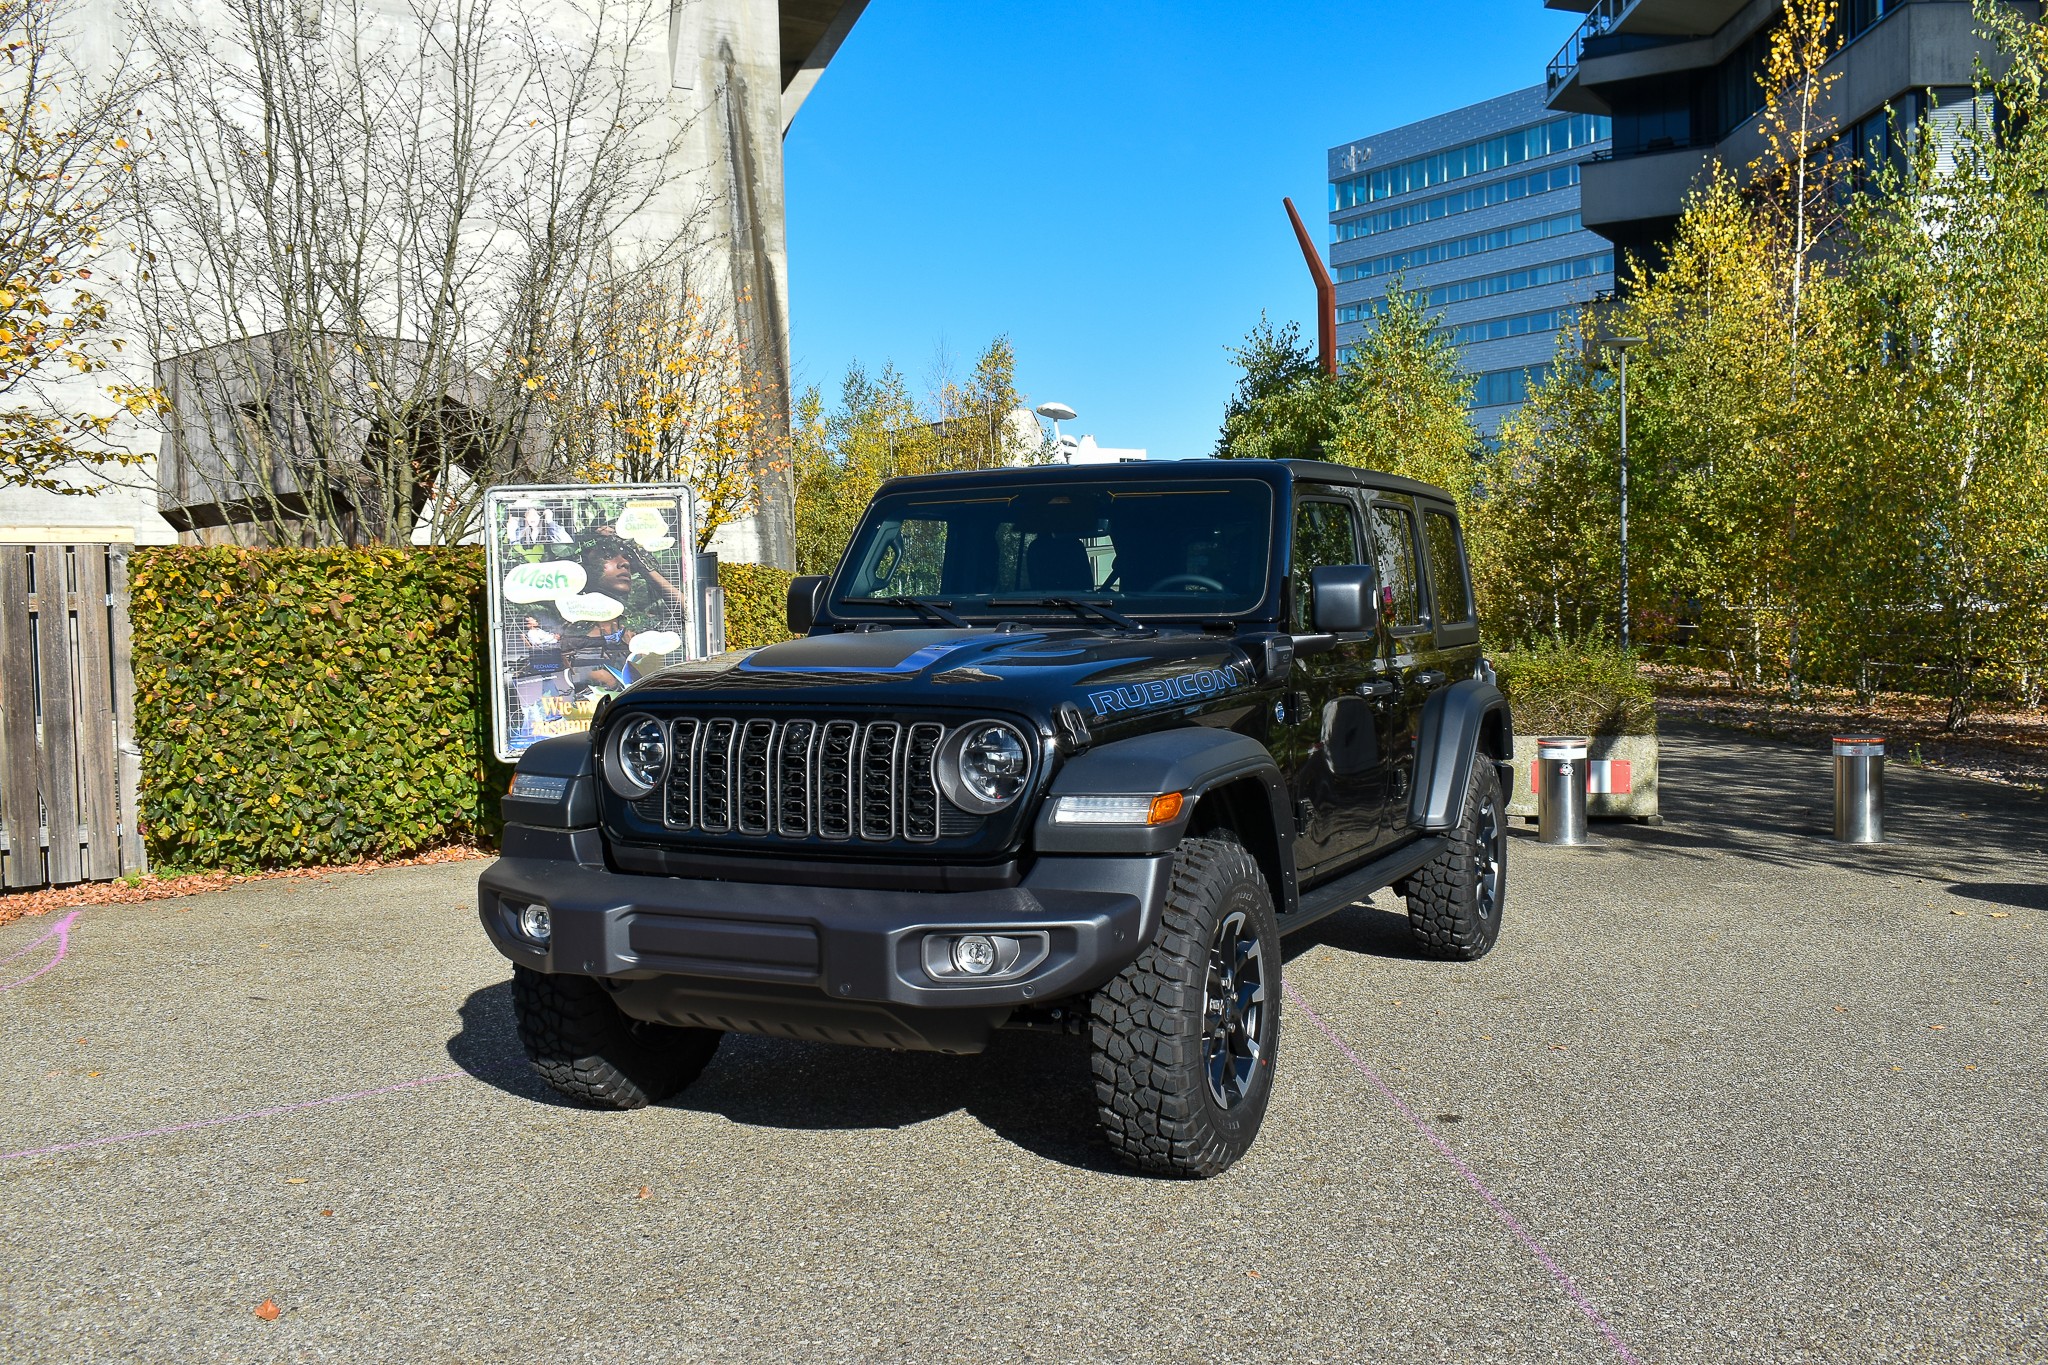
1184 1039
589 1052
1455 899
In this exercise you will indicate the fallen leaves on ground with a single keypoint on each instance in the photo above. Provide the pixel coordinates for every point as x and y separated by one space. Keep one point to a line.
154 888
267 1310
2004 741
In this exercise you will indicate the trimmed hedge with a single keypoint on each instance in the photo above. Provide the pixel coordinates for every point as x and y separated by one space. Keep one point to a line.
310 707
756 604
1560 688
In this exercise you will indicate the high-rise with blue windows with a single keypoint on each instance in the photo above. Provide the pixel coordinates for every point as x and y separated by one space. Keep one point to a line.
1477 210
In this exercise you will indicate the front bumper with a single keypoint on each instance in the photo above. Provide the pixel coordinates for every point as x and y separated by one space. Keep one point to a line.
842 965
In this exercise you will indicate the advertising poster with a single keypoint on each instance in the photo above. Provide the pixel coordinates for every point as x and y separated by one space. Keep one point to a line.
591 588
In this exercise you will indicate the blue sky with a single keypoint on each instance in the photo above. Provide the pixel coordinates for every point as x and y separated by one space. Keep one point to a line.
1103 181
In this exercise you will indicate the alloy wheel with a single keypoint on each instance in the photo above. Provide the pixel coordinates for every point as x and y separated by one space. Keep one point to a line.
1234 1010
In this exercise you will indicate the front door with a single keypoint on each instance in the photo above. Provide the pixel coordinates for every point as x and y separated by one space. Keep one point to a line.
1332 734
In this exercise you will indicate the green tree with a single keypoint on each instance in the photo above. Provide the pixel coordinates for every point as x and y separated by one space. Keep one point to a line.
1939 520
1397 405
1284 407
68 147
1543 533
879 430
1404 400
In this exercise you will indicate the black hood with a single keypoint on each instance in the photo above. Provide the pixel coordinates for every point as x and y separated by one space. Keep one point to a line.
1110 676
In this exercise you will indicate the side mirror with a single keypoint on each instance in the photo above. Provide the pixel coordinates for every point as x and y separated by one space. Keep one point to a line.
806 600
1346 599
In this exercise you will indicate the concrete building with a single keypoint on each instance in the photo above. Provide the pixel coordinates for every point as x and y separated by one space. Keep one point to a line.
1679 80
1084 450
1477 209
736 73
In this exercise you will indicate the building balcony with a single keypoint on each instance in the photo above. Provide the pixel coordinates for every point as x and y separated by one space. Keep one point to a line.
1612 27
1602 18
1648 187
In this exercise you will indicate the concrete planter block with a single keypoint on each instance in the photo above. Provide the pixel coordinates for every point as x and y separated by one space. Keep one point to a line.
1621 773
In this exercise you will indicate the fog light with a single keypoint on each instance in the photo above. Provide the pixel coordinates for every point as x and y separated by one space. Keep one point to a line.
535 922
974 955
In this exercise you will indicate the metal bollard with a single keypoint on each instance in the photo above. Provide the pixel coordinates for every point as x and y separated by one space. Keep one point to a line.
1859 789
1561 790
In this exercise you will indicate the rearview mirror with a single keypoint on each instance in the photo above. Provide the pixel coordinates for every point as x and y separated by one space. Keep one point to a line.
1345 598
806 600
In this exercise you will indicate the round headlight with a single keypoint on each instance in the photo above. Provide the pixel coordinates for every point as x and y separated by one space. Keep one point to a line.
984 766
639 757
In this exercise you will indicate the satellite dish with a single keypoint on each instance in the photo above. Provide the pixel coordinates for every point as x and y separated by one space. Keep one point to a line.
1056 412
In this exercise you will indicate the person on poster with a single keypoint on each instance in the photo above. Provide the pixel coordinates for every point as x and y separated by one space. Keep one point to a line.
600 653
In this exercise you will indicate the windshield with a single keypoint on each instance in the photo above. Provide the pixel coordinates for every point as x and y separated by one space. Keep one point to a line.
1191 548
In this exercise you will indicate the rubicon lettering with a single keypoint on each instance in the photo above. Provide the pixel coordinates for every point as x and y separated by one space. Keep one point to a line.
1163 691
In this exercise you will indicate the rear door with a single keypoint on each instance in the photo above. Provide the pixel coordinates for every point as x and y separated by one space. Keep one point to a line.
1404 671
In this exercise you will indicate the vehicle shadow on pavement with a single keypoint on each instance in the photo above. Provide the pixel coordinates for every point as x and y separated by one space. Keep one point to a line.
1375 930
1031 1089
487 1046
2011 895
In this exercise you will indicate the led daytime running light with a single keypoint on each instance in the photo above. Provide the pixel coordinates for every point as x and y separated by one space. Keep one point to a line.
1118 810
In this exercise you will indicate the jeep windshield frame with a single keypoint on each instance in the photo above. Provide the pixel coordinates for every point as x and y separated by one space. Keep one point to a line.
1006 545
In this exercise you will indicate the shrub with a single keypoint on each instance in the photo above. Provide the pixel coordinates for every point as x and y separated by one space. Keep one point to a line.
756 604
1557 687
306 707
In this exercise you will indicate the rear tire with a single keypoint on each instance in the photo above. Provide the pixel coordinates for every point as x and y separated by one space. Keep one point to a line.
1455 899
589 1052
1184 1039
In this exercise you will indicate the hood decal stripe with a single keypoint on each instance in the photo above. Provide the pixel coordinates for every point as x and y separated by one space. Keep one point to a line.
911 663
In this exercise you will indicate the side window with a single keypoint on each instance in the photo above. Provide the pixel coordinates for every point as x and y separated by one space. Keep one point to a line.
1446 569
1393 533
1325 534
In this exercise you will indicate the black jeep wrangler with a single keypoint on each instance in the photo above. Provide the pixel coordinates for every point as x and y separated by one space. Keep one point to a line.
1064 748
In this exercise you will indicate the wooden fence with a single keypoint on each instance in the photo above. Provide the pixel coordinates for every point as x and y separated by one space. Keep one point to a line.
69 767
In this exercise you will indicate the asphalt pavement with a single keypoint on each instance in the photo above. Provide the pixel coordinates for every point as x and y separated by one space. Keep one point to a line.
1725 1091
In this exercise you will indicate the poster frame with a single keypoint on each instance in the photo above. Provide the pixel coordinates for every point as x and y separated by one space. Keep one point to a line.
496 503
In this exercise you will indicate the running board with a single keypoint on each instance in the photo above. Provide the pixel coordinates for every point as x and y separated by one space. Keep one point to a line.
1353 887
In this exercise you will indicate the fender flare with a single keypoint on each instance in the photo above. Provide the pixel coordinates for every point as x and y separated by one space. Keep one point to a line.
1457 722
1192 759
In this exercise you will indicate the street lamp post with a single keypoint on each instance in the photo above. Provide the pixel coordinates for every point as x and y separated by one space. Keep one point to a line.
1623 345
1057 413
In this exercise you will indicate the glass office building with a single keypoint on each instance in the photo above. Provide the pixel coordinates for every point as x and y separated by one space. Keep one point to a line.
1477 210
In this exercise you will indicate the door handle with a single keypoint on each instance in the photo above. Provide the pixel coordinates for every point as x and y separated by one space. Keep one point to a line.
1430 679
1377 691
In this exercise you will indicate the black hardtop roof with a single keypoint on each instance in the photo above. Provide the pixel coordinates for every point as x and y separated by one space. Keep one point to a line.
1271 471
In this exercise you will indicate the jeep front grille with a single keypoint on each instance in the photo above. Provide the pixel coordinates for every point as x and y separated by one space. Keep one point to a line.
809 779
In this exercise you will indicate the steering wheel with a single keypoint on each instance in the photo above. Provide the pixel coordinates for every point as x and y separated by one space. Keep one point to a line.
1187 580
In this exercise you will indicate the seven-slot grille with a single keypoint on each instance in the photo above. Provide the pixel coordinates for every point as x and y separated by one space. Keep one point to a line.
801 779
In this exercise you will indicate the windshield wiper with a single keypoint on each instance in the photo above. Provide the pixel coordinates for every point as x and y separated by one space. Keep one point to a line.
930 610
1079 607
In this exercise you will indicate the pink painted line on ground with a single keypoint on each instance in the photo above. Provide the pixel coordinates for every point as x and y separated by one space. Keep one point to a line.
1514 1224
275 1109
61 931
